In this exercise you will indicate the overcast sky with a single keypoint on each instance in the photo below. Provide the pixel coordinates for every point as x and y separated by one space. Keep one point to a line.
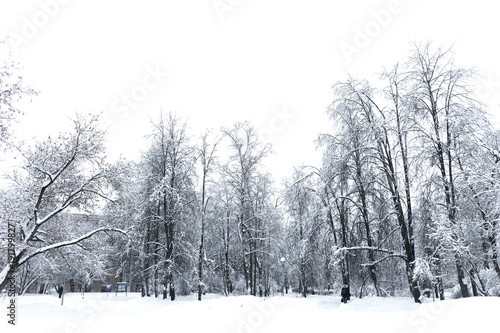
216 62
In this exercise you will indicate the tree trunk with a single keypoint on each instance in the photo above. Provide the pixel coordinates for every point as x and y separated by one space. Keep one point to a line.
225 237
200 254
343 217
200 264
244 255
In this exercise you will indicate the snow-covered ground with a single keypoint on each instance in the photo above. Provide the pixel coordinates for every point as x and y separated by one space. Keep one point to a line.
98 312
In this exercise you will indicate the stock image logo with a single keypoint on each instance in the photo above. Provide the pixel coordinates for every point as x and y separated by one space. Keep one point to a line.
254 320
122 106
32 25
223 7
280 120
365 34
11 271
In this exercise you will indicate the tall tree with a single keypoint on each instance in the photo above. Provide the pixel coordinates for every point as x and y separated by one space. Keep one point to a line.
368 149
170 166
299 198
243 171
207 159
57 175
443 101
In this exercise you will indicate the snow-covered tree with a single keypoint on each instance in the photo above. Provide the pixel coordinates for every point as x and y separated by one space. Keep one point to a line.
242 171
57 175
207 158
12 90
169 167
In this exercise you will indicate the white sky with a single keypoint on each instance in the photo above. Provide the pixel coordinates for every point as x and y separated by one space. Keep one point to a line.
227 60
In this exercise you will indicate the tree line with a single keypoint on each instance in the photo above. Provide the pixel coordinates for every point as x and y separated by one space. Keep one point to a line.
405 200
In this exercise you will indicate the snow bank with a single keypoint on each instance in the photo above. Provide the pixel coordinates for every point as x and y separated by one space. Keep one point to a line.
109 313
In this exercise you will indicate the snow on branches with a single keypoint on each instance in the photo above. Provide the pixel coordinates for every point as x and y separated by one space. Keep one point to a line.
58 175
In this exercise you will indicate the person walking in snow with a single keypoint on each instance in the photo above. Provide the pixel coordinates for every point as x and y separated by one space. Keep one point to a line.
345 293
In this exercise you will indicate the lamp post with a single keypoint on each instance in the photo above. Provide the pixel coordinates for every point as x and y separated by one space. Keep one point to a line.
283 265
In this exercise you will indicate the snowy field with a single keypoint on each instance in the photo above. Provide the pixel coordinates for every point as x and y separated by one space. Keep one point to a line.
98 312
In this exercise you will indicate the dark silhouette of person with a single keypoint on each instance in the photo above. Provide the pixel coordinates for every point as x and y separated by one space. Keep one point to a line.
345 293
60 290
